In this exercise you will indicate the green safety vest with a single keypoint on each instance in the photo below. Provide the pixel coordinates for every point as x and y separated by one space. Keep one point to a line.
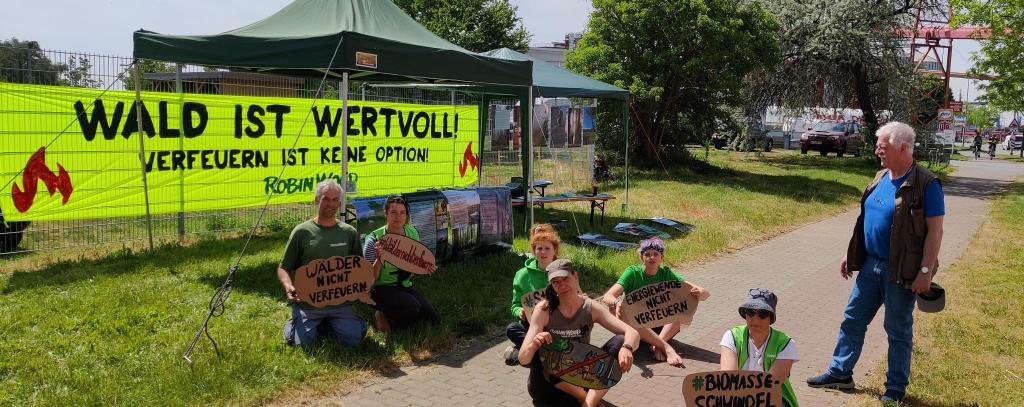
777 341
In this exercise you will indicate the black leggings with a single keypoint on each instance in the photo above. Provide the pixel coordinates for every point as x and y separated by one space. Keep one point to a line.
403 306
516 332
542 387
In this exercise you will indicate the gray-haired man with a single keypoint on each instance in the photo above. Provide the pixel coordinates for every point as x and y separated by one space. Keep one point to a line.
321 237
895 246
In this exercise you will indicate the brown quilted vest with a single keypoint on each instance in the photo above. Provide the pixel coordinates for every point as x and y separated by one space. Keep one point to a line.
906 242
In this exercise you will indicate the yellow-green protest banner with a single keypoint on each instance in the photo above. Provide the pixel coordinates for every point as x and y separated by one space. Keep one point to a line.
74 153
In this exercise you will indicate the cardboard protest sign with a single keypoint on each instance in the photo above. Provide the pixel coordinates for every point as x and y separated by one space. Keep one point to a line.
335 280
581 364
636 229
658 304
732 388
677 225
530 300
407 254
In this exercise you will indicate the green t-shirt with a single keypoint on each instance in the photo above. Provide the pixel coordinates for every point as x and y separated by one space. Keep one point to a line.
310 241
634 277
388 272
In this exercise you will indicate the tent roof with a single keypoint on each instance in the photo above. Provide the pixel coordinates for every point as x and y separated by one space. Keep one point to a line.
302 39
552 81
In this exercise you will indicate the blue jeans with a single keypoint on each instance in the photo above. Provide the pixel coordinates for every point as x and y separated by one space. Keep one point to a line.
871 289
303 328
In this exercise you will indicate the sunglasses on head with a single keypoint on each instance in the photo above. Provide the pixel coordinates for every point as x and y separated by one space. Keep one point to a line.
759 292
760 313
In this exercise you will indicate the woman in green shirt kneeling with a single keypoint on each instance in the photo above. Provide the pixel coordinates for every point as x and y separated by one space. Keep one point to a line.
399 304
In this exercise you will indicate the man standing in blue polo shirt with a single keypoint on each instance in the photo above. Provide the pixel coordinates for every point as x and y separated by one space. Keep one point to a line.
895 246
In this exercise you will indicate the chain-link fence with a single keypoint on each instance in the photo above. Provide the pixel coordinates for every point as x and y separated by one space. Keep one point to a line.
30 75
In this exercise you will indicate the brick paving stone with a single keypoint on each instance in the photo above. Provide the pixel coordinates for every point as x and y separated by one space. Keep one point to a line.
800 266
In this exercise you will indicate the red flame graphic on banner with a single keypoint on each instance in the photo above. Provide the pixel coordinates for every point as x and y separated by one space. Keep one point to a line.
35 171
468 159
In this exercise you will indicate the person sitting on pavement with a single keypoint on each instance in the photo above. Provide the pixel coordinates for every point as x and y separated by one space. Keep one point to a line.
544 245
566 314
757 346
320 238
398 304
650 271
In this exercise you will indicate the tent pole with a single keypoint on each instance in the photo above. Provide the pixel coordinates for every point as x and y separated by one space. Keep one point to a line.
344 143
625 130
179 89
525 150
142 147
528 188
482 124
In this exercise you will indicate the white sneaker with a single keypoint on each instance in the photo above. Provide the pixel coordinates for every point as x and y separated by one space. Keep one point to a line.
511 355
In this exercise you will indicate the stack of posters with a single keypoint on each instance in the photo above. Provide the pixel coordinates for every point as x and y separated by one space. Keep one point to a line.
598 239
428 213
495 216
464 213
558 126
451 223
643 231
589 124
681 227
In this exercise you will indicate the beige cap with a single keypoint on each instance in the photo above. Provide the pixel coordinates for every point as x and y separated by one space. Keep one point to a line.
559 268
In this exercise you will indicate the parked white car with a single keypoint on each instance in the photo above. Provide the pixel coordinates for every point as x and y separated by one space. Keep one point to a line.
1013 141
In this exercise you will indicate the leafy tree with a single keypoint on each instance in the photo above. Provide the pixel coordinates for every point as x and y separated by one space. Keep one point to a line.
25 62
77 73
476 25
930 87
682 75
842 53
984 116
1002 53
147 66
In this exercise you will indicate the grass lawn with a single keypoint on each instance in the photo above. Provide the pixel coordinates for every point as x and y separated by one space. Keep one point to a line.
1014 158
111 328
968 355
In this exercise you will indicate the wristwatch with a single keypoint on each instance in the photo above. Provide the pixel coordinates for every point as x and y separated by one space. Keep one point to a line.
924 270
628 346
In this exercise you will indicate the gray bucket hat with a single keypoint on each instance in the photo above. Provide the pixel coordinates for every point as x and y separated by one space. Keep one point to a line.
760 299
932 301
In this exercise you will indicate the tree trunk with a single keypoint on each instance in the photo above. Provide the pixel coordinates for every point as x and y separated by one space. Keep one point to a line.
864 99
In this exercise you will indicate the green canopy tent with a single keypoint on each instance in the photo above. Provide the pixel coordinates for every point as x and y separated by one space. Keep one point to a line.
367 40
374 40
552 81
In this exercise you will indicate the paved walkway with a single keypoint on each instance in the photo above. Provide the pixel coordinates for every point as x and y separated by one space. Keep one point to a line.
800 266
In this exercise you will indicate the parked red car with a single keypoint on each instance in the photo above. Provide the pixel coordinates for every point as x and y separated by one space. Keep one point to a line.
831 135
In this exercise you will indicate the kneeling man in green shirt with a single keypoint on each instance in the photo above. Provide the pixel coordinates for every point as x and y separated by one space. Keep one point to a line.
319 238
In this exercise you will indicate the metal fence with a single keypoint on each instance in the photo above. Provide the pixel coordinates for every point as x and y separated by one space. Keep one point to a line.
567 164
567 167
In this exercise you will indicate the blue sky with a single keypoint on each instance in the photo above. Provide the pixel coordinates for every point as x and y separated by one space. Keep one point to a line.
106 26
